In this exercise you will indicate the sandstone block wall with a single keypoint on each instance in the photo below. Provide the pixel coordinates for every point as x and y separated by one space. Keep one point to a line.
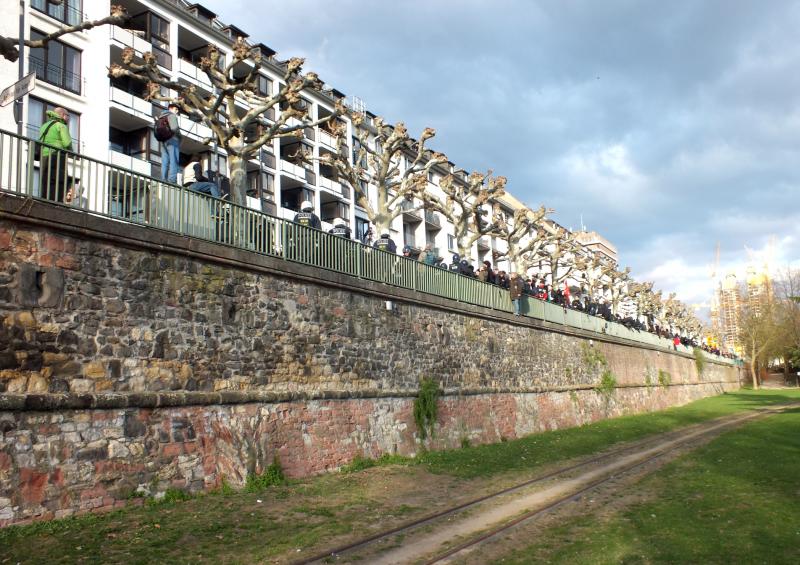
123 365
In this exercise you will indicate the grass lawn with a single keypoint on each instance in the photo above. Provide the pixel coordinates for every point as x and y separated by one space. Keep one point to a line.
736 500
287 521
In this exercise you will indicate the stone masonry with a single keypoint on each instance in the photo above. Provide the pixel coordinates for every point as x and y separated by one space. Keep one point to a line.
124 367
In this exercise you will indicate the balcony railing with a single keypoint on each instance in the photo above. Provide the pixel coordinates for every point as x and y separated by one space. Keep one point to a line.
124 195
55 75
410 210
432 218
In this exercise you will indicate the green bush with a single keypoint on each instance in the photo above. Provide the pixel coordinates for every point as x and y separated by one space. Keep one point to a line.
272 475
425 407
699 360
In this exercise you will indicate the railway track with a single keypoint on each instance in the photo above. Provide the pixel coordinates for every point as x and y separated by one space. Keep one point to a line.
622 460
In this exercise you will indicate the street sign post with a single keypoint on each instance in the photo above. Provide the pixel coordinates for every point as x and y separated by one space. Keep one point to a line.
18 89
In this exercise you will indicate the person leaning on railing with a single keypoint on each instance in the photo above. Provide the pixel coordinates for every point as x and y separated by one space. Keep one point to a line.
54 135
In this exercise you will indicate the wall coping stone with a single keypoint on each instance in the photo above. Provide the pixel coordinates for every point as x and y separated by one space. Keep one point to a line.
45 402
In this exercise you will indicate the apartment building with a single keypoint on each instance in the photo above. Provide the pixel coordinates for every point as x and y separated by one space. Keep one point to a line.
112 121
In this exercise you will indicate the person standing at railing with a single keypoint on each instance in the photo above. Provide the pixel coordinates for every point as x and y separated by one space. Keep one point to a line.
168 132
54 135
428 256
306 216
515 289
385 243
340 228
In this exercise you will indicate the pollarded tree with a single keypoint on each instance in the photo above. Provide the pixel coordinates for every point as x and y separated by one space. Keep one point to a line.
465 204
386 157
525 237
235 112
9 46
617 285
561 255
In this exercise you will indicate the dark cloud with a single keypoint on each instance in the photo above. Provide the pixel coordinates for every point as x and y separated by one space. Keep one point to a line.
668 126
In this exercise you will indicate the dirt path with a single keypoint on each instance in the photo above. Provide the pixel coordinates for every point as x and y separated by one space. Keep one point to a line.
430 541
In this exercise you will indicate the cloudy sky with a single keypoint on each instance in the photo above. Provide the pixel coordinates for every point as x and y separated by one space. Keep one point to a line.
666 126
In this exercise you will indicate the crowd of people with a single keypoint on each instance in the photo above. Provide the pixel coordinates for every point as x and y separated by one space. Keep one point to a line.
518 286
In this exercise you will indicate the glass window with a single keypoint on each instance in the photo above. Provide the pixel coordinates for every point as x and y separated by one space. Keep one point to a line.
56 63
451 243
67 11
263 86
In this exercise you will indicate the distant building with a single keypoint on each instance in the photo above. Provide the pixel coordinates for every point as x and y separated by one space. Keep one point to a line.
597 243
732 298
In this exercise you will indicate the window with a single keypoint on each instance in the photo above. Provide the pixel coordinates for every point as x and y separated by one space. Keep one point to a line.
451 243
335 209
37 115
68 11
263 86
156 32
362 227
56 63
261 185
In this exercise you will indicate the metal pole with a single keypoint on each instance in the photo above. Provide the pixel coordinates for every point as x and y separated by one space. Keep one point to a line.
21 47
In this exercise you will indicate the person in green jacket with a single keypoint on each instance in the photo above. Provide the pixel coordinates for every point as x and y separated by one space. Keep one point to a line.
54 135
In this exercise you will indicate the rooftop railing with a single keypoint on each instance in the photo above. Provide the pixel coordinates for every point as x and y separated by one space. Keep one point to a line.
100 188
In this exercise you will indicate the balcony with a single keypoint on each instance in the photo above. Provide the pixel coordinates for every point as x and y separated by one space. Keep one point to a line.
139 106
55 75
327 139
298 172
134 39
129 162
194 74
483 243
196 130
333 186
432 219
410 212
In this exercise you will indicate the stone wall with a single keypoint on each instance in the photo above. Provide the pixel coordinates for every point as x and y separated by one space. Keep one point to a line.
154 360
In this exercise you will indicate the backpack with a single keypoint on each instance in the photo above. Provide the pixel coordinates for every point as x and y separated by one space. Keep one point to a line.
162 130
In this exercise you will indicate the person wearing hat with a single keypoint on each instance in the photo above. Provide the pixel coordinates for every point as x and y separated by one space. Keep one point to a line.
515 289
170 142
385 243
306 216
340 229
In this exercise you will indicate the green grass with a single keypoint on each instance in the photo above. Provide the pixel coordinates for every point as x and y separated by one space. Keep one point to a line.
232 526
732 501
549 447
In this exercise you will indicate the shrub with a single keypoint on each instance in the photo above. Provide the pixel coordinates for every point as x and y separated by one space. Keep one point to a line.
425 407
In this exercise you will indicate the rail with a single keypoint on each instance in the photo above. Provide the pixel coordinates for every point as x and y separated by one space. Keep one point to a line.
96 187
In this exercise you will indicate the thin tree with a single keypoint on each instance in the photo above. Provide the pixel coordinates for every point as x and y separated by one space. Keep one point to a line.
388 158
467 204
237 115
9 46
759 333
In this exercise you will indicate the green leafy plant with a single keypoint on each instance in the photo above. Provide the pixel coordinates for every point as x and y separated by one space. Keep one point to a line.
608 383
664 378
425 407
272 475
699 360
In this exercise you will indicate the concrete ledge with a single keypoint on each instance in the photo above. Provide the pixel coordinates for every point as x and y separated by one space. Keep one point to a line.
122 234
46 402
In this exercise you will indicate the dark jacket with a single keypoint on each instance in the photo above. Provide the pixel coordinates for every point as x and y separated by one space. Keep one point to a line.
515 287
308 219
385 244
341 230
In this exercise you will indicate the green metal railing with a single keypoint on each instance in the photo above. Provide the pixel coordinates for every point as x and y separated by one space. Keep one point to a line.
100 188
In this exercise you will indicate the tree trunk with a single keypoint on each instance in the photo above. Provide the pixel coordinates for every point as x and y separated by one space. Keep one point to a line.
754 374
238 168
